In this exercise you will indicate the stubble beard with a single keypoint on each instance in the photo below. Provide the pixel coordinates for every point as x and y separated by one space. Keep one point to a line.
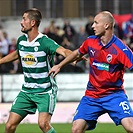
26 30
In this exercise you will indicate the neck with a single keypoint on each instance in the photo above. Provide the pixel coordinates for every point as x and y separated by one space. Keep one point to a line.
32 35
106 38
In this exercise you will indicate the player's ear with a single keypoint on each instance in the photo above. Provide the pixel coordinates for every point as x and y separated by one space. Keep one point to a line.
106 26
33 22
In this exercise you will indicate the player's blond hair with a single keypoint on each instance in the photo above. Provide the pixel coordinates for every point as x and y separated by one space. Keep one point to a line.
109 18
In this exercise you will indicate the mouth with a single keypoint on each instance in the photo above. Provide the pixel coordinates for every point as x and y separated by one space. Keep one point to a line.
94 31
22 26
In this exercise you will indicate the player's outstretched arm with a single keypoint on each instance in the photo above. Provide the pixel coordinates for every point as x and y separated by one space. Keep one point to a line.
10 57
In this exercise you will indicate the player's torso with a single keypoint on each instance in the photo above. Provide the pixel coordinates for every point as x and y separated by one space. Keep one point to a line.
106 72
35 63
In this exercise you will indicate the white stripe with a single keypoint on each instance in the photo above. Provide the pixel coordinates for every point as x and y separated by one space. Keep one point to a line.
36 75
35 85
51 103
27 44
50 91
38 65
35 54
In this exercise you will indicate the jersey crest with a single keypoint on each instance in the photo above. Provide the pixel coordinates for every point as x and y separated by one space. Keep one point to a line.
109 58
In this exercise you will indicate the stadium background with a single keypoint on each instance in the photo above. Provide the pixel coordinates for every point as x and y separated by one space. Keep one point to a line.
71 86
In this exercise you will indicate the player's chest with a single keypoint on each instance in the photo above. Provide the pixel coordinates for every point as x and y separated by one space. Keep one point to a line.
103 55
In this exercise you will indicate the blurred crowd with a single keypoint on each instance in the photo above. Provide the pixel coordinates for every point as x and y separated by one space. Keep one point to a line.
7 46
68 37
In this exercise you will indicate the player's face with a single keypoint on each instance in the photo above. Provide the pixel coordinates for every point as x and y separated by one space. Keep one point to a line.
26 24
99 25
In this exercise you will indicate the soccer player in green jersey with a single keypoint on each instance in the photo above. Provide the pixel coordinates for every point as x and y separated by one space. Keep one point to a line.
36 53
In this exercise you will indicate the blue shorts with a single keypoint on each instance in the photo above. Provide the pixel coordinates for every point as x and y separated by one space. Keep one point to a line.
116 105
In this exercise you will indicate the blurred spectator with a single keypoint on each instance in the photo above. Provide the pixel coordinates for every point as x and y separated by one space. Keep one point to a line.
1 27
4 49
45 31
69 30
59 34
81 36
70 67
54 32
128 32
88 27
4 43
15 66
68 44
12 46
52 27
118 31
51 30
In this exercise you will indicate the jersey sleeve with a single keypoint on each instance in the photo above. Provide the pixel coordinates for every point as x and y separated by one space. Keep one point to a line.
126 57
84 47
21 38
17 45
50 46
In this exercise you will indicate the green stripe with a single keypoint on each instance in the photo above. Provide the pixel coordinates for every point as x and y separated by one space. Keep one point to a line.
41 59
35 70
38 81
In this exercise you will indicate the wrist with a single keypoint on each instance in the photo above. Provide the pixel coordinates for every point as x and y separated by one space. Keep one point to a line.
59 65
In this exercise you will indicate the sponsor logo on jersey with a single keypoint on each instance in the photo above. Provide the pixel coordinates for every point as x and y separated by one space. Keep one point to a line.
101 66
109 58
29 60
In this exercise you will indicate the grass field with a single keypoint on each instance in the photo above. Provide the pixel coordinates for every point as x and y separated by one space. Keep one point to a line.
66 128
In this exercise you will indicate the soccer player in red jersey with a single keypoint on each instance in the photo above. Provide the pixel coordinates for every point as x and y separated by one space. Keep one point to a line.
109 57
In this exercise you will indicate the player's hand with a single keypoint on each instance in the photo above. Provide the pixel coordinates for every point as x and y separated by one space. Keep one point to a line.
80 59
54 70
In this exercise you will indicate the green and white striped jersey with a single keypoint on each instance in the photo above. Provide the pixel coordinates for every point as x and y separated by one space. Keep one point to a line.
37 57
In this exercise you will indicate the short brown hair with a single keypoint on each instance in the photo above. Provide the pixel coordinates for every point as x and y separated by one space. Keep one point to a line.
34 14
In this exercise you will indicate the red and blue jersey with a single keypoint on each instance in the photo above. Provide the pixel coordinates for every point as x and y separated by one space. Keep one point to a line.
107 65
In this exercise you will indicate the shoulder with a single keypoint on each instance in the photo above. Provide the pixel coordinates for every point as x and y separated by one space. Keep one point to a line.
48 43
93 37
121 45
46 39
23 37
119 42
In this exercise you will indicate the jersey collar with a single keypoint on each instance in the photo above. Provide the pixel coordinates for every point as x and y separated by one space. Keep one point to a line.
33 41
109 43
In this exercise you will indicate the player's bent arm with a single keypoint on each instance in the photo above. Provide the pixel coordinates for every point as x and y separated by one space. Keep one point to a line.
62 51
73 56
10 57
66 52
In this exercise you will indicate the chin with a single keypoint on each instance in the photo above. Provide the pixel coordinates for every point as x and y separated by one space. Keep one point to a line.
99 34
24 31
96 34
